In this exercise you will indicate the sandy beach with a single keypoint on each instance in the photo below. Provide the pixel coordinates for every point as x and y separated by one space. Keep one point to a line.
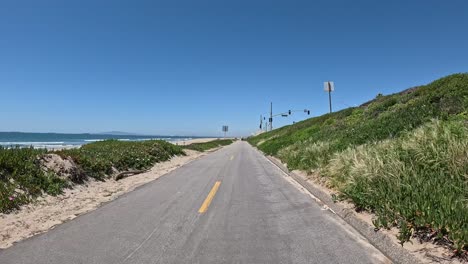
191 141
176 142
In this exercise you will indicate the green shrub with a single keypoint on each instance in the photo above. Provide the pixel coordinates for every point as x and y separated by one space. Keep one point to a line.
21 178
101 158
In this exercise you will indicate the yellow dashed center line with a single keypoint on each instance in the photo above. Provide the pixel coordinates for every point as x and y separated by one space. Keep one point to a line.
209 198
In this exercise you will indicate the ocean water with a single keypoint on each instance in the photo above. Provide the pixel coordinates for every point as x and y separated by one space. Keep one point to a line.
57 140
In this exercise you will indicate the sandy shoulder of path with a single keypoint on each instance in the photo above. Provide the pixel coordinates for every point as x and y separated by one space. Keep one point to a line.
194 140
48 211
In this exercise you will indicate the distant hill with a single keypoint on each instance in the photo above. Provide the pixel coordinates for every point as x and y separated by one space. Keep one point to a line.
119 133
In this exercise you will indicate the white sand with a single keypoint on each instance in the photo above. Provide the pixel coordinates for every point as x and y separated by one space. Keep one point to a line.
194 140
49 211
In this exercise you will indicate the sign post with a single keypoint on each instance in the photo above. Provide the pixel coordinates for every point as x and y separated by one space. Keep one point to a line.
225 130
329 87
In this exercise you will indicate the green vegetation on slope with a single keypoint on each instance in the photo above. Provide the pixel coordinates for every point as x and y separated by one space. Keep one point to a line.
385 117
208 145
22 179
418 181
99 159
402 156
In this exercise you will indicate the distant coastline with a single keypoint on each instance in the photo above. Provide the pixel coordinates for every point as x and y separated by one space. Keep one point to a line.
64 140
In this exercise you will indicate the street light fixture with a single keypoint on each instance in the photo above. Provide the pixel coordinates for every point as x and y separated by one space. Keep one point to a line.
270 119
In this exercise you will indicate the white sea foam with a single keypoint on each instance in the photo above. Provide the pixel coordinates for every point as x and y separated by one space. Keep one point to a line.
31 143
144 139
39 145
93 140
56 147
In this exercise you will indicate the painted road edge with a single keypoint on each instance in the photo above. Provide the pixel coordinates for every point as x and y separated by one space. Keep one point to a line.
381 241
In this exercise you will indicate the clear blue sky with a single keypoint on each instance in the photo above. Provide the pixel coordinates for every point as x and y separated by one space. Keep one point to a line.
188 67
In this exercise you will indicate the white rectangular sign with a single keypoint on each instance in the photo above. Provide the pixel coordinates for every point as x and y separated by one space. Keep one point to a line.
328 86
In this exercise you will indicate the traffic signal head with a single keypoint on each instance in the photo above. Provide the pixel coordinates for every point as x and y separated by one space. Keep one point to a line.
289 112
308 112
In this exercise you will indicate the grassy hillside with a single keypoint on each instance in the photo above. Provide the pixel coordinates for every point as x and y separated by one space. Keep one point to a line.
402 156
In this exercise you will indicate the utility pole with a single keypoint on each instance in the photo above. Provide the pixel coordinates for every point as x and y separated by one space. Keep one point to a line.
271 116
261 122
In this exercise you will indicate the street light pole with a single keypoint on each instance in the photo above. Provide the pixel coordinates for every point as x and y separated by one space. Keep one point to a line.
269 124
271 116
261 123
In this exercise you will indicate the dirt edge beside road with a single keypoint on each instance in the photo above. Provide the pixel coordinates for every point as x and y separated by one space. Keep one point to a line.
385 240
49 211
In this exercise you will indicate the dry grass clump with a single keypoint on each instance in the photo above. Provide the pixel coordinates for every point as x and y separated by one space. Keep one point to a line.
418 181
